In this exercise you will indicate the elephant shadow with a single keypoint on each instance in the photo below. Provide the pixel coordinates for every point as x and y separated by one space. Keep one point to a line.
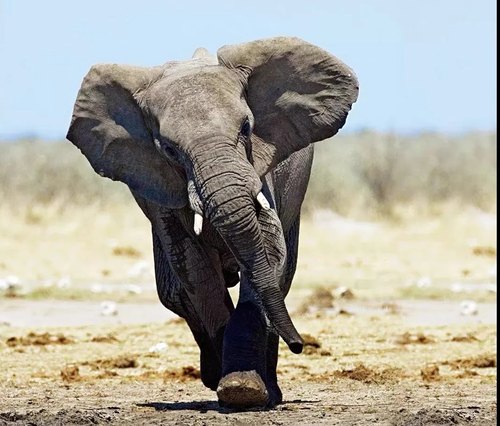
206 406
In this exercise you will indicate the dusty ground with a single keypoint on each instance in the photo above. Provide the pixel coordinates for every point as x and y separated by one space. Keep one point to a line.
366 369
64 254
369 360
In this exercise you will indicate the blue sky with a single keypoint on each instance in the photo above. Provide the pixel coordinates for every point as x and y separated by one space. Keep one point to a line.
427 65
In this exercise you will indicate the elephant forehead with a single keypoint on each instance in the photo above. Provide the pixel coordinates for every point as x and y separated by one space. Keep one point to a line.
189 103
196 88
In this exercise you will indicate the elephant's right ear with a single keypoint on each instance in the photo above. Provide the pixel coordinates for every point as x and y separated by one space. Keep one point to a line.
109 128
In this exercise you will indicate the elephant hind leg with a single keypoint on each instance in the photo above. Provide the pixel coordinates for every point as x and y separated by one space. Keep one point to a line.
251 346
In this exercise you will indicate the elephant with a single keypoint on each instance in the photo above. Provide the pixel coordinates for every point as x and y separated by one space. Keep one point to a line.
217 152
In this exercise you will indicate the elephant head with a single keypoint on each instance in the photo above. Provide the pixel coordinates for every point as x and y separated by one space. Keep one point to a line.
202 133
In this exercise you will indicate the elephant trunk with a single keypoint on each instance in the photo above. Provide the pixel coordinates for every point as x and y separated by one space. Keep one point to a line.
228 193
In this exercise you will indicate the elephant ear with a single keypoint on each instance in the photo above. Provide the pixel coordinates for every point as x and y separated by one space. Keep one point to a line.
109 128
298 94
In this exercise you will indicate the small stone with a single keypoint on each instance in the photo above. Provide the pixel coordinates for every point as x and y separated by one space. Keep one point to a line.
468 308
159 347
109 308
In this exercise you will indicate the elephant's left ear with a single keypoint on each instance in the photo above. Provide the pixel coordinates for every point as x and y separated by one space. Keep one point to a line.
298 94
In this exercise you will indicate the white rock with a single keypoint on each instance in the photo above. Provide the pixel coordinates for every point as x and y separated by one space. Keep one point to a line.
108 308
134 289
468 308
10 282
423 282
159 347
343 293
457 288
13 280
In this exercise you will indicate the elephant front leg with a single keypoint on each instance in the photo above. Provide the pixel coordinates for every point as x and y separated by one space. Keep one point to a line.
244 359
248 380
250 349
254 383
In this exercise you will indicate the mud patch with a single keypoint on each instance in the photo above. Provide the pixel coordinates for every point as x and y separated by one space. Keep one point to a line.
482 361
108 338
312 345
39 339
123 361
127 251
362 373
106 374
464 338
467 374
430 373
414 338
488 251
184 374
71 373
391 308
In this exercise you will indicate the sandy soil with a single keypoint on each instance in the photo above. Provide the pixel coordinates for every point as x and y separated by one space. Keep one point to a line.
63 253
357 369
382 353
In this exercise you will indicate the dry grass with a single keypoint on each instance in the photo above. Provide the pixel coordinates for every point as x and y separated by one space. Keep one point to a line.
373 260
367 174
35 174
373 175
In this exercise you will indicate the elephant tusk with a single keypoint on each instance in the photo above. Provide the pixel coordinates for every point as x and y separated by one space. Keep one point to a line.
261 198
198 223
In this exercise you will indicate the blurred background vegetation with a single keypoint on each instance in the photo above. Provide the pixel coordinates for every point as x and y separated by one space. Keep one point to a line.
366 175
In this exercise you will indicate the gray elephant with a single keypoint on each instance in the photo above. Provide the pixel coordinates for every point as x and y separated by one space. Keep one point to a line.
217 153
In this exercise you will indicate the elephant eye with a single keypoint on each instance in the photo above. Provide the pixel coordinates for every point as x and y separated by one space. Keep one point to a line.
244 137
169 151
166 149
246 128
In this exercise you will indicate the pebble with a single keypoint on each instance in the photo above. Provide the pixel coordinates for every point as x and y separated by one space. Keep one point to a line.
109 308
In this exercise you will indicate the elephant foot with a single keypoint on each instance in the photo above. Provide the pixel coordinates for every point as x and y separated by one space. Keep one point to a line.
210 370
242 389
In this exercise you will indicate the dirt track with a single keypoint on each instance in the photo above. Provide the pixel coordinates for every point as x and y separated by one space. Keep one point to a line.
342 403
367 369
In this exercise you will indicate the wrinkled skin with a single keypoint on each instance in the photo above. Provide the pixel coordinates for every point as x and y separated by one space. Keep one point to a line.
218 154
